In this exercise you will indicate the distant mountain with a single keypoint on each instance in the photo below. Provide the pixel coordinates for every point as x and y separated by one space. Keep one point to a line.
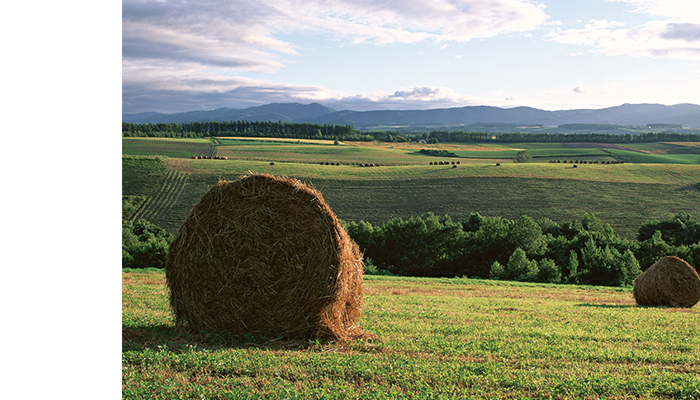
627 114
286 112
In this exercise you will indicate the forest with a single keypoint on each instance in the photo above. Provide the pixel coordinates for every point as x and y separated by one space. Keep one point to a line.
582 252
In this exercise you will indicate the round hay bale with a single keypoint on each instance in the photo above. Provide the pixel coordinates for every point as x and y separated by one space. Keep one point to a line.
669 282
266 255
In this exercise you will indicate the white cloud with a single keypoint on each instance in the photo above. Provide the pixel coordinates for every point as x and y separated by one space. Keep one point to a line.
199 47
241 34
676 9
673 32
405 21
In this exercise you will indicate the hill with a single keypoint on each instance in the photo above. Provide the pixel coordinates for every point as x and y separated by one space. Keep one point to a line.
623 195
644 115
285 112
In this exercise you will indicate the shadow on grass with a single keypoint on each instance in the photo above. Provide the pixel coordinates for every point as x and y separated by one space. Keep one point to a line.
690 188
178 339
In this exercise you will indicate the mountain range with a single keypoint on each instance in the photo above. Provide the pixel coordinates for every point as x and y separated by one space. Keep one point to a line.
687 115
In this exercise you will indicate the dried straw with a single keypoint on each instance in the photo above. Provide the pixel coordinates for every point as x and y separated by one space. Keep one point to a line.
669 282
266 255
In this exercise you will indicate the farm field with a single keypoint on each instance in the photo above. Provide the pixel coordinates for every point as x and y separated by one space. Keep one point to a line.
437 338
175 148
622 195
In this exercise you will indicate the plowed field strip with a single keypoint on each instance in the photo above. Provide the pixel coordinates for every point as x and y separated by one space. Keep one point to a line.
158 206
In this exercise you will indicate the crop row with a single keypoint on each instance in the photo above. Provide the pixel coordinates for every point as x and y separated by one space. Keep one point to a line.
158 206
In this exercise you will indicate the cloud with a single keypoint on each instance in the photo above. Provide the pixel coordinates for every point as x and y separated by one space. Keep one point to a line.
406 21
196 91
579 89
200 48
672 33
241 34
686 31
204 34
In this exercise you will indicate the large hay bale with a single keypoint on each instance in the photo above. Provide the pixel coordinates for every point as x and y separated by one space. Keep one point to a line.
266 255
669 282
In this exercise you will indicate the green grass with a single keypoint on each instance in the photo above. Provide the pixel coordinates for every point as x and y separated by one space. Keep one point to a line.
317 153
438 338
595 154
174 148
669 158
623 195
140 174
242 141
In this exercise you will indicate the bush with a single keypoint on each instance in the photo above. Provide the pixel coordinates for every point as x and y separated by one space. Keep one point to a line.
497 271
144 245
520 267
549 272
523 157
679 230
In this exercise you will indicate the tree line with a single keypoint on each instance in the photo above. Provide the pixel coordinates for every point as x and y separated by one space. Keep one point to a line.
583 252
244 128
307 130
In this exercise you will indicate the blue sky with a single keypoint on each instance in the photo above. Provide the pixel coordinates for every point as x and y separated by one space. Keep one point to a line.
408 54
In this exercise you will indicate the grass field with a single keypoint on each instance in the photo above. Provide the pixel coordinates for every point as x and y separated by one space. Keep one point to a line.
623 195
438 339
175 148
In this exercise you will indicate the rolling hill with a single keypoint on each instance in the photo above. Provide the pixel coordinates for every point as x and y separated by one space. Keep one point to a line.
687 115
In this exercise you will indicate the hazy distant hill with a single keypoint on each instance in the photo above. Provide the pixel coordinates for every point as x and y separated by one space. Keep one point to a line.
627 114
286 112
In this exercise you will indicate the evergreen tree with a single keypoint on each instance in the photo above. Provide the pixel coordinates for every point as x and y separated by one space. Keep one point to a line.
548 271
573 267
631 268
520 267
497 271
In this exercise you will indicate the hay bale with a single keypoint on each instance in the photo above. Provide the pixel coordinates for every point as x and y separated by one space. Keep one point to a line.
266 255
669 282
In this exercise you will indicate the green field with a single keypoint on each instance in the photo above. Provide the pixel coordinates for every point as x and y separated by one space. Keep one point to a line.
437 339
175 148
622 195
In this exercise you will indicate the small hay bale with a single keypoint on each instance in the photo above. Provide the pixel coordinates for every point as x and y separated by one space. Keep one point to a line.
669 282
266 255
